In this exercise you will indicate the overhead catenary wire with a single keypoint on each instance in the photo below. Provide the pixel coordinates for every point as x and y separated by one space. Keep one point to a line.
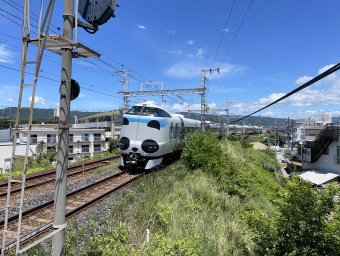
236 33
310 82
51 79
104 62
224 31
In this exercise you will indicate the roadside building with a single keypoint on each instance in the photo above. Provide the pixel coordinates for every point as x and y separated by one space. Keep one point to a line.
82 142
109 121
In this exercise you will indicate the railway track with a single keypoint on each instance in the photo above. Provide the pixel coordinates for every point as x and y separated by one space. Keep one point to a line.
38 220
48 176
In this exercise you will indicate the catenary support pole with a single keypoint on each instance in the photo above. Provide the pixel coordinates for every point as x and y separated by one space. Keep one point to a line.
64 124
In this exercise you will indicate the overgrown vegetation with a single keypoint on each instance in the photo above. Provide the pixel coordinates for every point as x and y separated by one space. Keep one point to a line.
231 206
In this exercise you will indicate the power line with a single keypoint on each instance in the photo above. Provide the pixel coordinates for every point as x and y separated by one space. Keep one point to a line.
104 62
225 29
310 82
236 32
51 79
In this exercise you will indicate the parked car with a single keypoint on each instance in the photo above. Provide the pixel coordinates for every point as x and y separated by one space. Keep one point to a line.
284 160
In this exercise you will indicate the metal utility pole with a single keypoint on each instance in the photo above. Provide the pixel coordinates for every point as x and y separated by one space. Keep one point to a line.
188 102
125 84
292 144
203 102
63 135
275 130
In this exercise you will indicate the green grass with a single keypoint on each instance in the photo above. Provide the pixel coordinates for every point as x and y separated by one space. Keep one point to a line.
191 212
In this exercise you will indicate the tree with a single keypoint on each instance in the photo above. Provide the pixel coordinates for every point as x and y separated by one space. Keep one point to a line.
307 220
25 121
42 157
5 123
112 145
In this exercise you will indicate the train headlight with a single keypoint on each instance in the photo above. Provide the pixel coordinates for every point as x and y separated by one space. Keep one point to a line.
150 146
124 143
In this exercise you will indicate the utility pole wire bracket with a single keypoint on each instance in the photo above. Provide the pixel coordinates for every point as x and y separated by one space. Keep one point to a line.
55 43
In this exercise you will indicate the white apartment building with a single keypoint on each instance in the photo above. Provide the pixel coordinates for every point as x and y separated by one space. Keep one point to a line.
82 143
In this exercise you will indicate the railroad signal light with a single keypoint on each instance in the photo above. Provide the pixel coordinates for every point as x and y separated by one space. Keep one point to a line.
97 12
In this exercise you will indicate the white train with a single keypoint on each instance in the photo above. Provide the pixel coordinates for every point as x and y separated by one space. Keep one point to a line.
150 135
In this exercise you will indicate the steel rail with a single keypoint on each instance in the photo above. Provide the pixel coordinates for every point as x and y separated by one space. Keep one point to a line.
35 232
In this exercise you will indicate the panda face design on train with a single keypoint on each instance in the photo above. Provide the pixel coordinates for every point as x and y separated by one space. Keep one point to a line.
143 131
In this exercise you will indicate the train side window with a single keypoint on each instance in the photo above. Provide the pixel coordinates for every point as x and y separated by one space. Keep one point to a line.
170 132
176 131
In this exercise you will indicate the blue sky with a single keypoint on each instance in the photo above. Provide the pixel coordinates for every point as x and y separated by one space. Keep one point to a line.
278 46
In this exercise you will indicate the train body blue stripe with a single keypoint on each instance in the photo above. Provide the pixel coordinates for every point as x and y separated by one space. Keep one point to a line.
163 121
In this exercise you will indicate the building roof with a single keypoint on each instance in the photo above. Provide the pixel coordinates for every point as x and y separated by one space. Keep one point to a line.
318 178
102 114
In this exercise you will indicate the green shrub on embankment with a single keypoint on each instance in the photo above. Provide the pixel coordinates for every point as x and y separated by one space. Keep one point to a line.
229 207
197 206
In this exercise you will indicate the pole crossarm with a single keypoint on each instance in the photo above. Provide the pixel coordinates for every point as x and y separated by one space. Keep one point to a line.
174 92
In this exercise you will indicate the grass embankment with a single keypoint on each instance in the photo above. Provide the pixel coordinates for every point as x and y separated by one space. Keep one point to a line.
191 212
214 201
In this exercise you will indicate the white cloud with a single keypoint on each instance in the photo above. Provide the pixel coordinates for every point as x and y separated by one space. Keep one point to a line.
200 52
263 101
190 42
37 100
140 26
5 54
225 30
171 31
192 68
174 52
184 69
10 100
303 79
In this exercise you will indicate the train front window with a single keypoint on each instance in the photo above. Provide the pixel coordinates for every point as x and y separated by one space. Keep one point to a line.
147 111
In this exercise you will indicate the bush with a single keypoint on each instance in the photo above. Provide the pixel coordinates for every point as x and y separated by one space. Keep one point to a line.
112 145
202 150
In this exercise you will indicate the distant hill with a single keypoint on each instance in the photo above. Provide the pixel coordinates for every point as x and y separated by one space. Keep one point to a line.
252 120
42 114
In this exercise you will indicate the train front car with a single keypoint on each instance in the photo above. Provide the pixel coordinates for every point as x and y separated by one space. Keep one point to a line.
144 136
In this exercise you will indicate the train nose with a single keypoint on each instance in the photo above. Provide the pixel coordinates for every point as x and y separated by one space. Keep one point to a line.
134 149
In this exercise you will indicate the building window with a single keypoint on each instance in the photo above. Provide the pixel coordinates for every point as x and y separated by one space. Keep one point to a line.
85 148
70 158
71 137
33 139
325 151
70 150
50 149
84 137
51 138
96 136
97 147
